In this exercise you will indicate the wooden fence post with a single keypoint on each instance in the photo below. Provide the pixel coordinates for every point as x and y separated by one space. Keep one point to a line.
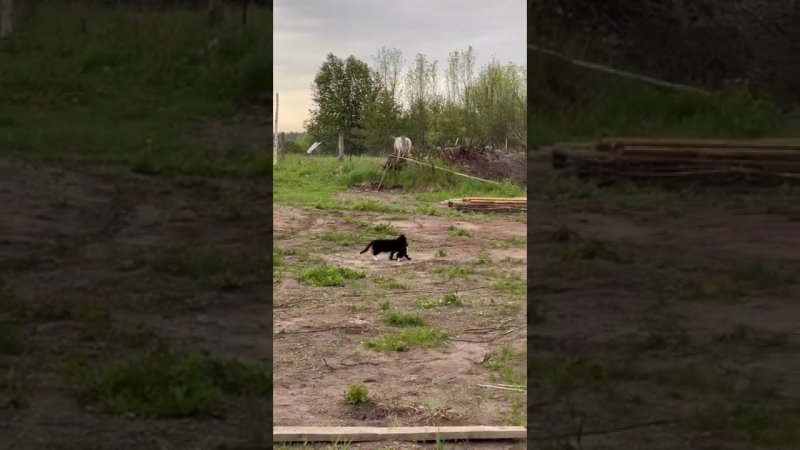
6 18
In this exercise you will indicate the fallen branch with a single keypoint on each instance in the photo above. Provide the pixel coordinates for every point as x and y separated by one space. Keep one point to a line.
502 388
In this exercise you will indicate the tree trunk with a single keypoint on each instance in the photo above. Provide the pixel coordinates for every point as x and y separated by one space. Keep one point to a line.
341 147
6 18
214 12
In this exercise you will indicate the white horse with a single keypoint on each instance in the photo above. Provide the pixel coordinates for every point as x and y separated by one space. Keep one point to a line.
402 146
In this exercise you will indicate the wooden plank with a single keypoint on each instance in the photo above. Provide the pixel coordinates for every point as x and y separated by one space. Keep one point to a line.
417 434
612 143
712 153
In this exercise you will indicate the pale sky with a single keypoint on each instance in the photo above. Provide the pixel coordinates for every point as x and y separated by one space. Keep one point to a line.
305 31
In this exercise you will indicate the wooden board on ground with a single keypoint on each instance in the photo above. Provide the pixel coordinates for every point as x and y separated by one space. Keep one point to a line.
489 204
612 143
412 434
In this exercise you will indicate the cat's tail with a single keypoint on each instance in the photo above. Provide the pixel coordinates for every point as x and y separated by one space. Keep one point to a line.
368 246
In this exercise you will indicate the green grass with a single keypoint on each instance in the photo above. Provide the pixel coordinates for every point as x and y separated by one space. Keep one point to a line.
515 287
324 275
561 374
509 365
511 242
356 394
423 337
454 272
299 179
130 91
571 103
226 269
402 319
745 334
756 423
387 282
450 299
663 331
12 338
592 250
457 232
163 384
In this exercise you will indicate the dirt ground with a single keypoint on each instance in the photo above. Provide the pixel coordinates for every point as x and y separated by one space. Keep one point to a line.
667 320
319 331
69 240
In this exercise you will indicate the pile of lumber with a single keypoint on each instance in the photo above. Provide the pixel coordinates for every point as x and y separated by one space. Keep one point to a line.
489 204
675 157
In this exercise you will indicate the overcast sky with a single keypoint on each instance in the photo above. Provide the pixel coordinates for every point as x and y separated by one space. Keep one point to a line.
305 31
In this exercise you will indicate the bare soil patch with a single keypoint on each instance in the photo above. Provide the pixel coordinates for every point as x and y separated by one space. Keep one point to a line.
668 326
321 332
80 251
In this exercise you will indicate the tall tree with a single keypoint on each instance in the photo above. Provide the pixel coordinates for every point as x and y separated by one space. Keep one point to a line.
499 98
421 92
388 66
341 91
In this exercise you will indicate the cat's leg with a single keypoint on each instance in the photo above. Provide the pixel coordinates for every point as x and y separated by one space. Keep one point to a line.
391 256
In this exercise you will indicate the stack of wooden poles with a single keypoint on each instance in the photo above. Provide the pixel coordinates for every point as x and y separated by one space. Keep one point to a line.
680 156
489 204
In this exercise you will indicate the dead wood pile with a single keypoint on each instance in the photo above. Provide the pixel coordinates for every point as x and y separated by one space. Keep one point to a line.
708 158
488 163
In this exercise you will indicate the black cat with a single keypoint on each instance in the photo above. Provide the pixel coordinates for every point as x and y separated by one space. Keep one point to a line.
398 246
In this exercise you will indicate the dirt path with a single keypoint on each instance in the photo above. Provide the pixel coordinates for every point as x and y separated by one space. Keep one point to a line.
320 331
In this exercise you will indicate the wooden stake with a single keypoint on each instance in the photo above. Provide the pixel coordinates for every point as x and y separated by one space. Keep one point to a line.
6 18
418 434
275 134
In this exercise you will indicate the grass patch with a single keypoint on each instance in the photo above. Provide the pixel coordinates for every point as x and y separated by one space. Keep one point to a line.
423 337
163 384
509 365
402 319
388 282
106 96
222 268
483 259
302 180
450 299
514 287
324 275
458 232
663 331
356 394
454 272
562 374
754 422
441 253
12 338
591 250
511 242
744 334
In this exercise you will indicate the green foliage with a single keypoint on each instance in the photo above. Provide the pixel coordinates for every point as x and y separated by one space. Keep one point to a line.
567 102
131 89
424 337
357 393
163 384
341 92
325 275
